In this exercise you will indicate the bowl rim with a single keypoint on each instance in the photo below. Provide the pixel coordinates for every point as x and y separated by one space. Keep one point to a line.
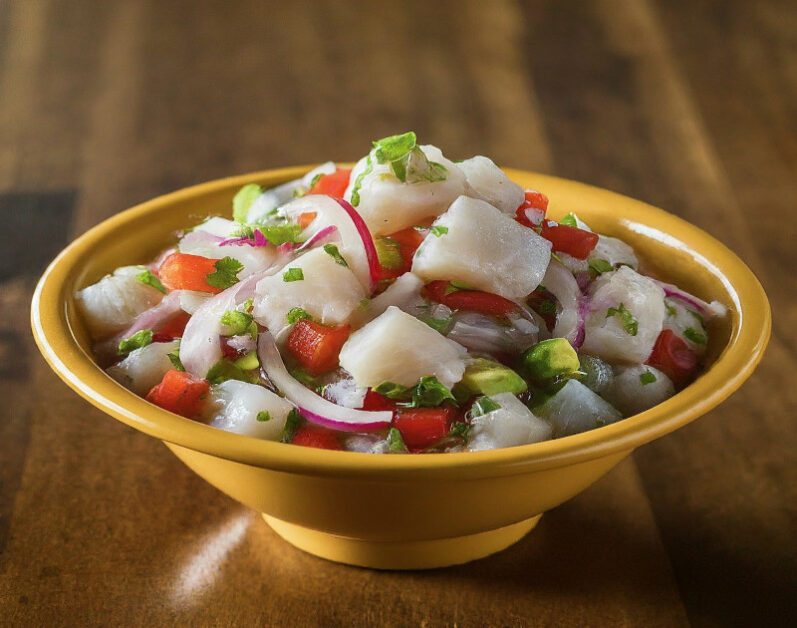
748 338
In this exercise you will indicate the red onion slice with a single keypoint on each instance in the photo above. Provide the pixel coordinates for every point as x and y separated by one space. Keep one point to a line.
707 310
313 407
560 282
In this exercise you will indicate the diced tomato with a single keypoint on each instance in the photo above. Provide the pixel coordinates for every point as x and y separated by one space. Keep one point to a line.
317 437
179 392
531 211
317 346
175 326
374 402
674 358
333 184
422 427
571 240
471 300
183 271
305 218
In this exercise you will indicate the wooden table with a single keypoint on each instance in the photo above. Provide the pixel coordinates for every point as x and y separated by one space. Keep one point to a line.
691 106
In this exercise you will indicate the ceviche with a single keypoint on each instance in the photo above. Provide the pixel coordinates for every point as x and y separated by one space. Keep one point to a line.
408 304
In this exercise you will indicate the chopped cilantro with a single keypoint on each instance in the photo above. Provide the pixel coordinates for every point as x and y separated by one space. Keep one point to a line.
388 252
600 422
395 443
292 424
358 182
460 429
600 266
305 378
407 161
671 309
281 232
174 358
226 274
647 378
293 274
570 220
263 416
315 180
484 405
332 250
243 200
394 147
437 231
224 370
698 337
248 305
150 279
237 323
391 390
296 314
136 341
429 392
630 324
441 325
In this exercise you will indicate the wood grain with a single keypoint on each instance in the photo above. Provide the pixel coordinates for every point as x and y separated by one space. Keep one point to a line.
689 105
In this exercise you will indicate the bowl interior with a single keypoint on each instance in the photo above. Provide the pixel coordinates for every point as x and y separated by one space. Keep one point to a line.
669 248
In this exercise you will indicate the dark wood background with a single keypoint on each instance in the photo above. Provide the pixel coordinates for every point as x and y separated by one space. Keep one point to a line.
691 106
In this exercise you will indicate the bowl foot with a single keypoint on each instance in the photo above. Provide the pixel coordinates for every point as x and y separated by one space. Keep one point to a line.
402 554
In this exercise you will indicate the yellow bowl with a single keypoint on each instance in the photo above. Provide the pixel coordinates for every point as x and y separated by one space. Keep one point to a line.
402 512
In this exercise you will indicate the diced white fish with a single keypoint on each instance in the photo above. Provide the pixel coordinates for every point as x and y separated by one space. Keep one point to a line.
253 258
111 304
614 251
145 367
560 282
623 334
510 425
397 347
277 196
218 227
191 300
478 245
634 389
686 324
329 292
575 408
387 205
489 183
247 409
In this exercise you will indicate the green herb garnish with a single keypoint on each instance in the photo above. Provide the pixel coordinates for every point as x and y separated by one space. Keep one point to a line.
224 370
296 314
670 308
440 325
263 416
429 393
570 220
358 182
332 250
148 277
174 358
647 378
292 424
407 161
395 442
238 323
438 230
630 324
391 390
136 341
226 274
484 405
698 337
243 200
600 266
281 232
460 429
293 274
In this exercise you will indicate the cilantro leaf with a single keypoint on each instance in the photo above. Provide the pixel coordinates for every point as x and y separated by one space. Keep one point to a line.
391 390
281 232
437 231
293 274
630 324
296 314
600 266
388 252
332 250
429 393
460 429
224 370
570 220
226 274
483 405
243 200
136 341
647 378
395 442
440 325
292 424
698 337
150 279
174 358
358 182
237 323
394 147
263 416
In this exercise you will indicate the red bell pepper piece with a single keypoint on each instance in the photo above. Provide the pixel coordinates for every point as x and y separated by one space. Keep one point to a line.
315 346
317 437
375 402
571 240
183 271
179 392
333 184
471 300
673 357
408 241
531 211
422 427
